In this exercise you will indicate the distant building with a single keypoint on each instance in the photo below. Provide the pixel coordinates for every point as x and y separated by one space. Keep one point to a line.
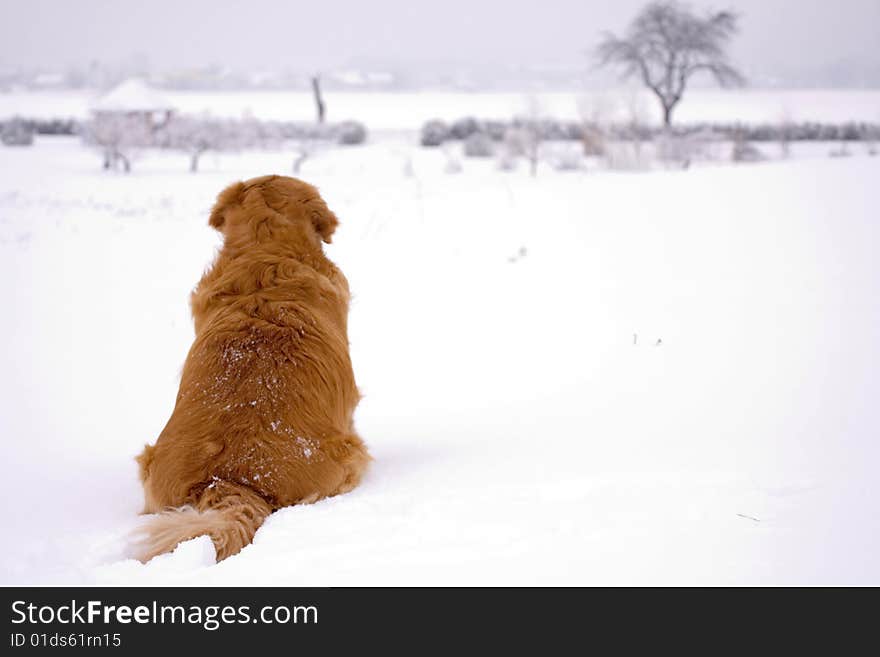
134 98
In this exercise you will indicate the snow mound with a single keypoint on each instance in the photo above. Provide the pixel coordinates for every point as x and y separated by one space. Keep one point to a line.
133 95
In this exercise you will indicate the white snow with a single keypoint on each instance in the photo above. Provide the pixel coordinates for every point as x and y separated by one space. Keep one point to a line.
132 95
521 434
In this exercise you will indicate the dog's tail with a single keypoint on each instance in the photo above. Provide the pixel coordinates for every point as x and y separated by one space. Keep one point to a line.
228 512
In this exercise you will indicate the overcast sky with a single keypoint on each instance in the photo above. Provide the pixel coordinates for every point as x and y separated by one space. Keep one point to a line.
779 37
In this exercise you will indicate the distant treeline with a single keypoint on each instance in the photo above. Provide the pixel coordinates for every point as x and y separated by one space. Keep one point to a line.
45 126
345 132
436 132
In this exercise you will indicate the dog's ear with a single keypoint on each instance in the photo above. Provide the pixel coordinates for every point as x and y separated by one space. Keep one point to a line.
228 197
325 223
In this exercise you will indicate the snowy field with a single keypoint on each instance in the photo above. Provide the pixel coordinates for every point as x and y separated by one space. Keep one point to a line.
409 110
585 378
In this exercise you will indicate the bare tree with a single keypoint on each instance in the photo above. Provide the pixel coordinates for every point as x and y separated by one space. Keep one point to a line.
666 44
526 135
197 135
118 136
319 100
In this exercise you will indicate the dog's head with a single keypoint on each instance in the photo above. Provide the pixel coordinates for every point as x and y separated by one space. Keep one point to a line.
270 204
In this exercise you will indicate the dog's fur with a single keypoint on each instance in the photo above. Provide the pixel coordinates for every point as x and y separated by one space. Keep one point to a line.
263 417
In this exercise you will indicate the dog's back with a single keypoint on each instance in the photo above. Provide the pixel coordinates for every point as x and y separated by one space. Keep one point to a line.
263 418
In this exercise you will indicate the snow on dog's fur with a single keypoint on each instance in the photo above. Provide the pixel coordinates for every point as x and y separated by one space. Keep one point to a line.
263 417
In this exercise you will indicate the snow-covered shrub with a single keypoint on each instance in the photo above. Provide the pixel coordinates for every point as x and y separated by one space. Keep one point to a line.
506 160
434 133
54 126
464 128
525 141
250 132
683 149
350 133
636 126
565 157
299 129
495 129
625 156
17 132
197 135
744 151
572 131
851 131
261 134
592 140
842 150
673 148
453 164
788 131
549 129
552 130
479 144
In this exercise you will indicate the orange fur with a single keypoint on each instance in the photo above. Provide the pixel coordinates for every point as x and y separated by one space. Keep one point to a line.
263 417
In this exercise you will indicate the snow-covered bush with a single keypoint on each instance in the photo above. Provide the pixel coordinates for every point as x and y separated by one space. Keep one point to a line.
625 156
464 128
683 149
197 135
635 125
434 133
552 130
17 132
674 149
263 134
565 157
479 144
506 160
43 126
453 163
350 133
842 150
525 141
744 151
592 140
54 126
252 133
495 129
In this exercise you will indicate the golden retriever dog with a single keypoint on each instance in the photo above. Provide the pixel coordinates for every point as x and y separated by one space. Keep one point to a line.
263 417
